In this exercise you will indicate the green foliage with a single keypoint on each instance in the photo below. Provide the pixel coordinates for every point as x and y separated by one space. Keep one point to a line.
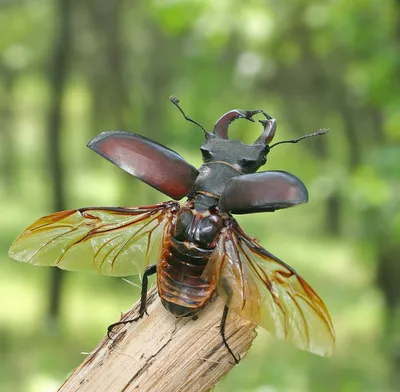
309 64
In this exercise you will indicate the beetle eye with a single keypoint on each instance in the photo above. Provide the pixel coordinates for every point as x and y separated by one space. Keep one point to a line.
249 165
206 153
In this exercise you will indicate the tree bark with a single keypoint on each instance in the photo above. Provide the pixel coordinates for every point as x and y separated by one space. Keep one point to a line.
163 353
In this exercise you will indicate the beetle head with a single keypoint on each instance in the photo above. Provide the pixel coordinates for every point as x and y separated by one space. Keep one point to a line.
247 158
243 157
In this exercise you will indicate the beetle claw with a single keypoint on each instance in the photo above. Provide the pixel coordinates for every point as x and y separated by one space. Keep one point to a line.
110 332
237 360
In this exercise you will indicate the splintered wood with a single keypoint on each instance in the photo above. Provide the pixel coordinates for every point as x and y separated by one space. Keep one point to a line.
161 353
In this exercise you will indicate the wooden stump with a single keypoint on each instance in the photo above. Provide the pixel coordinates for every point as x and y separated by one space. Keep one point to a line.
161 353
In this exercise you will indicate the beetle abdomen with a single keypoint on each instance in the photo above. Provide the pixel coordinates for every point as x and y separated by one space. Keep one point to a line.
182 285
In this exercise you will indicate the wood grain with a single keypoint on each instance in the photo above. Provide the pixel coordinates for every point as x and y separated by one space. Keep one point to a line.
163 353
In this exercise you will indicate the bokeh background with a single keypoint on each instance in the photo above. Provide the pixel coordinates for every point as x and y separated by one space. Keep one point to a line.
71 69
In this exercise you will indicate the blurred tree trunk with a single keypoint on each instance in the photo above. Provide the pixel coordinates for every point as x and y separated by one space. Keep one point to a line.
350 128
157 77
388 266
388 278
109 21
388 274
109 79
58 75
7 134
307 78
112 87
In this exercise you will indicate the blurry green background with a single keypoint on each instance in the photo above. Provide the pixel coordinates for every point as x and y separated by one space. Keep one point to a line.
71 69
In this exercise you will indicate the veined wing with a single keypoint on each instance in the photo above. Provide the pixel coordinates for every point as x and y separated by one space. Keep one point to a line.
112 241
261 288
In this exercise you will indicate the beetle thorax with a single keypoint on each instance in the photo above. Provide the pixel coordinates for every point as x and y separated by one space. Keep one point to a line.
224 159
212 179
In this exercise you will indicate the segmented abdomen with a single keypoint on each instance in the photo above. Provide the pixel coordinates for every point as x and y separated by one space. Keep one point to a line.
182 285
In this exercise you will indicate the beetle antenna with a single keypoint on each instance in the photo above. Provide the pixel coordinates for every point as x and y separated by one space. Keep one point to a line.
175 101
323 131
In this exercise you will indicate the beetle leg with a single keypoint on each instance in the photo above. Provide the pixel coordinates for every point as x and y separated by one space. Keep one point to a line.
151 270
222 331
